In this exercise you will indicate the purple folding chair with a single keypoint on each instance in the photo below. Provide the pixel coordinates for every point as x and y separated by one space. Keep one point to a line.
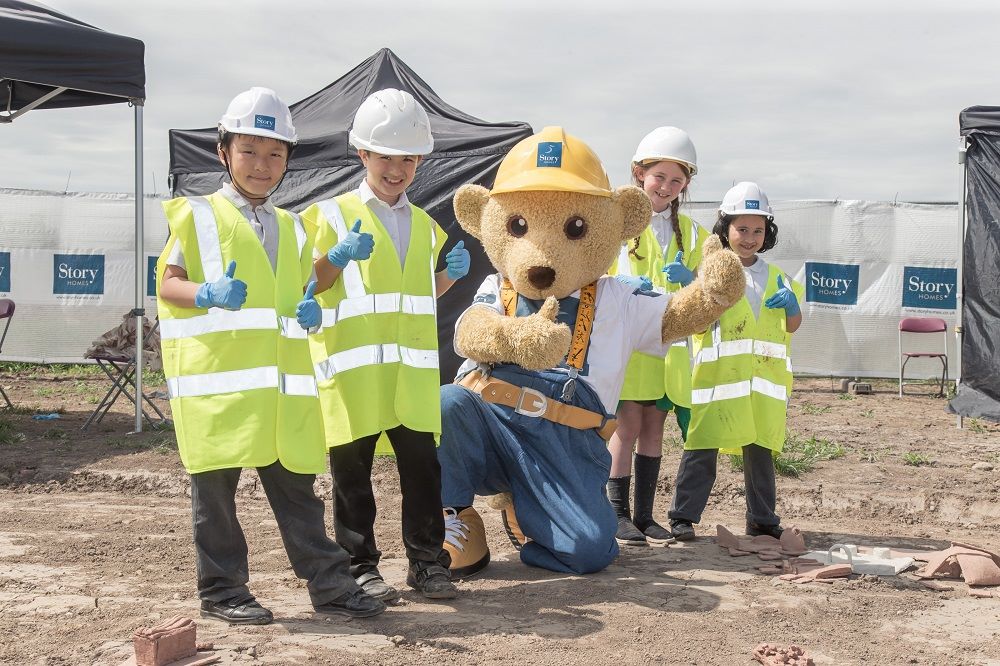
923 325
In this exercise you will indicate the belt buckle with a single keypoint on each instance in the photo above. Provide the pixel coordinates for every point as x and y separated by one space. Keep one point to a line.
541 403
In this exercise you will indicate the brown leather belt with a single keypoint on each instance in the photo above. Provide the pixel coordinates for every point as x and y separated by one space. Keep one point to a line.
529 402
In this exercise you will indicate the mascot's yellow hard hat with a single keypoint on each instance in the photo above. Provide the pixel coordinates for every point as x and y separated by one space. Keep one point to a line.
552 161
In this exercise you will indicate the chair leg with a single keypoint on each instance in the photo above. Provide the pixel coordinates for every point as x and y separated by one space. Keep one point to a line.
10 405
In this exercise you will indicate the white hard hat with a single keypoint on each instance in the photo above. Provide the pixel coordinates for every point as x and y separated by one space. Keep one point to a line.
259 112
667 143
746 198
392 122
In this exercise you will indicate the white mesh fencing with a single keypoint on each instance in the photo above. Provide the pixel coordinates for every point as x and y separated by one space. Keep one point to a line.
68 263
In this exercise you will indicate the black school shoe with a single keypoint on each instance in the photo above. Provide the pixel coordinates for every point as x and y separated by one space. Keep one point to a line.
431 580
243 612
655 533
628 534
352 604
375 586
682 530
753 529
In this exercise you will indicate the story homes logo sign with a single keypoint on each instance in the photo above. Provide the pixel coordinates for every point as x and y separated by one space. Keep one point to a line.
929 287
835 284
5 272
74 274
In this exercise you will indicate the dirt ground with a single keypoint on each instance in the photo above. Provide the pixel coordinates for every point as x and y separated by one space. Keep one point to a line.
95 542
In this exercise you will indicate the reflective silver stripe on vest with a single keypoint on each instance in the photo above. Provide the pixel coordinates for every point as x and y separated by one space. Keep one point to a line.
217 320
720 392
624 265
236 381
208 238
300 232
770 389
298 385
358 357
434 287
723 349
378 304
291 329
354 286
680 343
770 349
694 238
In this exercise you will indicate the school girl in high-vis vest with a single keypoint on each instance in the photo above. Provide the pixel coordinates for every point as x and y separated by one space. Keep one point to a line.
742 374
664 259
376 353
239 374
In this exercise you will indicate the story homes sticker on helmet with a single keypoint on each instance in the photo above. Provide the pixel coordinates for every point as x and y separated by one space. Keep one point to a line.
832 284
77 274
263 122
550 154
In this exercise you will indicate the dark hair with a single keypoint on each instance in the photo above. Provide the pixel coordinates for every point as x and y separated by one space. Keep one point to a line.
226 140
721 229
675 206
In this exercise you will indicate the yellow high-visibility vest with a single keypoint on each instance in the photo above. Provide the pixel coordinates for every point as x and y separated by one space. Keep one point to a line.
376 354
650 377
743 376
241 383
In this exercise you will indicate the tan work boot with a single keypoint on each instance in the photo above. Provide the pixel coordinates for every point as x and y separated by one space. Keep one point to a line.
504 503
465 541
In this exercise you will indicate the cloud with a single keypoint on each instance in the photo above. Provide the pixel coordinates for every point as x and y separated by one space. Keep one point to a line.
857 102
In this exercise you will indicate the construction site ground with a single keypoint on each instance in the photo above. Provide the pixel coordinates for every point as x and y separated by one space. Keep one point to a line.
95 542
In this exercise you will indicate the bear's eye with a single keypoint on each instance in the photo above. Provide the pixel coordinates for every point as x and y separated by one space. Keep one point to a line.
517 226
576 228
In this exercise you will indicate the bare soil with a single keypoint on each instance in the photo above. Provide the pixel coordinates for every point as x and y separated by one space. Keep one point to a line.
95 542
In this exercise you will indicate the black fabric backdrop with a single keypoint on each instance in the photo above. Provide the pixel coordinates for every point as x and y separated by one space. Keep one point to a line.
41 49
466 150
979 391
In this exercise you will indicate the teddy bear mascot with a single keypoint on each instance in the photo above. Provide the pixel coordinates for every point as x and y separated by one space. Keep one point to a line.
547 341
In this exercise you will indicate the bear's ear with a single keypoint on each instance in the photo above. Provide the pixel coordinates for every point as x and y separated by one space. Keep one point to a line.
634 209
469 202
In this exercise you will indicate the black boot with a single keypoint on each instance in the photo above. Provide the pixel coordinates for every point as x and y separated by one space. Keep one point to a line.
618 495
647 473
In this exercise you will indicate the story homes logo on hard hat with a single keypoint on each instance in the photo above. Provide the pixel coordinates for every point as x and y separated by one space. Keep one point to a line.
263 122
549 154
751 204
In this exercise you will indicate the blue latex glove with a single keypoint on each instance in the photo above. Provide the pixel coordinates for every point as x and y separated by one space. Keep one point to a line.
784 298
677 272
458 261
638 282
351 248
227 292
308 313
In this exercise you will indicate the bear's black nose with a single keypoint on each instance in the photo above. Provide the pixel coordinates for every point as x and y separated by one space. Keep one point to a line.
541 277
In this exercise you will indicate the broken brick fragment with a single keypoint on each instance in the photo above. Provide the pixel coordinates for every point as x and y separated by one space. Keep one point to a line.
166 642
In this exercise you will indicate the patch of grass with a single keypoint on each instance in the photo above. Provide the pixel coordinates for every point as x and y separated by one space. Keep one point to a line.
44 391
916 459
845 396
7 433
808 408
799 455
55 433
977 426
153 378
21 410
868 413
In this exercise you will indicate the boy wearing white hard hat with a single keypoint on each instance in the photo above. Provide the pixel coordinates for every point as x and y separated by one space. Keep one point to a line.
663 258
742 374
376 352
239 374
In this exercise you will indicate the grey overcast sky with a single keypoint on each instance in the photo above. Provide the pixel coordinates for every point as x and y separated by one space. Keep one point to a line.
814 100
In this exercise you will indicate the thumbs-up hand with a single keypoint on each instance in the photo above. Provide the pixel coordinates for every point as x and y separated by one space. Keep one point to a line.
354 246
677 272
308 313
459 260
783 298
226 292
